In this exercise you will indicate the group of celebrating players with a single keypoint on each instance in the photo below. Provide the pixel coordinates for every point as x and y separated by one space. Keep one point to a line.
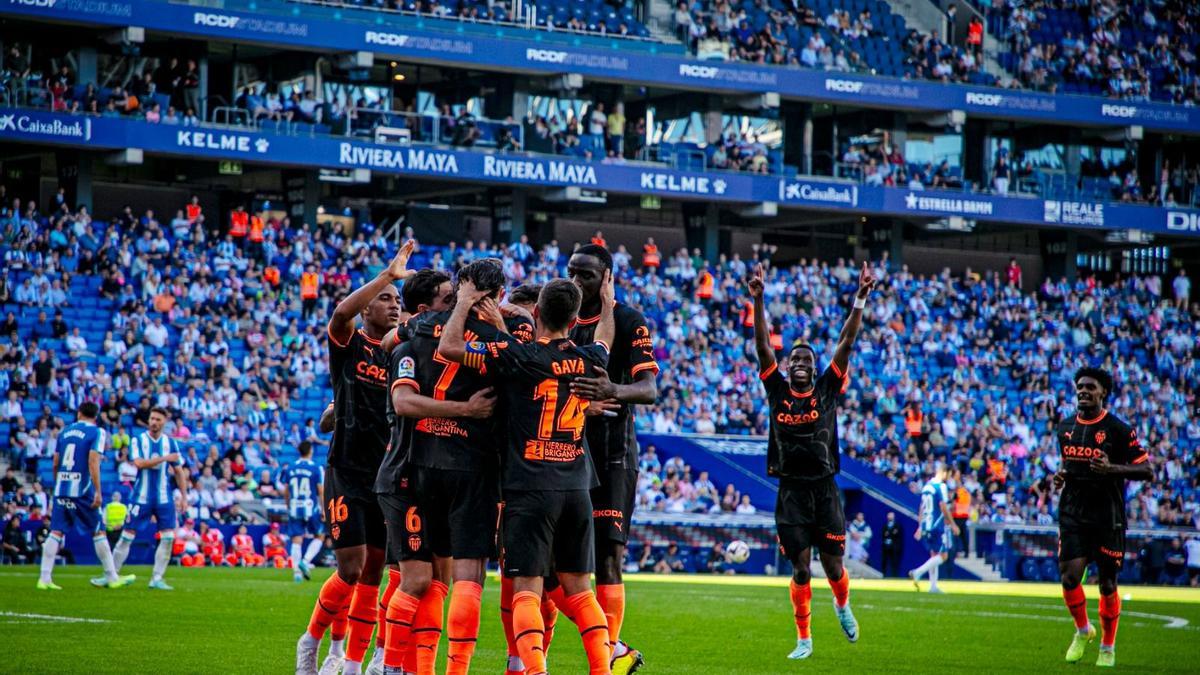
467 427
470 426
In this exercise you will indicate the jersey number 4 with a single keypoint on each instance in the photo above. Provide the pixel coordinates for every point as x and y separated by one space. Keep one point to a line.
570 419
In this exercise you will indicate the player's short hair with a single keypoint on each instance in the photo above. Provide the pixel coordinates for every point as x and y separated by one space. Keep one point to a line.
1098 374
305 448
420 289
525 294
801 343
558 303
598 252
89 409
161 411
487 274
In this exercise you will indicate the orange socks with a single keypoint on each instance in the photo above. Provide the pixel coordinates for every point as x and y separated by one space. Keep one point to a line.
381 615
841 589
802 608
593 628
427 627
528 629
506 614
549 617
1110 614
560 599
333 596
612 600
1077 605
362 621
338 629
462 629
400 612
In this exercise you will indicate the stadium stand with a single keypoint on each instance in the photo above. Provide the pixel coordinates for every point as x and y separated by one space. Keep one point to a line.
170 313
1136 51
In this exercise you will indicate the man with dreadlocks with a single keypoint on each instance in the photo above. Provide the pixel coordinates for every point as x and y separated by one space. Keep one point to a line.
802 451
1099 453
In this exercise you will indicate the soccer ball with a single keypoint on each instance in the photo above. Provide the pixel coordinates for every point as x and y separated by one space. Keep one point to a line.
737 552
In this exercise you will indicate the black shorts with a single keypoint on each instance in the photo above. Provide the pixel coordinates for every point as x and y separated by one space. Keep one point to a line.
612 504
443 513
547 531
1103 546
810 514
352 514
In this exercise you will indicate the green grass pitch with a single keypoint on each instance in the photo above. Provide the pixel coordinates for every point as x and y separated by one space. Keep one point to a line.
247 621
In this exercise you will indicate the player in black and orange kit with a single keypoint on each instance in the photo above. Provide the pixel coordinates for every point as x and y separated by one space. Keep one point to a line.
802 452
358 367
1099 452
547 470
443 483
425 291
629 379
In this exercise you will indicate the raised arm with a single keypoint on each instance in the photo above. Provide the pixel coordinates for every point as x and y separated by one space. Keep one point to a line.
762 332
845 345
341 324
606 329
452 345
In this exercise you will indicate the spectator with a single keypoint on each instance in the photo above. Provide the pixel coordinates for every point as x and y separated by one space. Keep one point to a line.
893 546
670 562
745 508
15 545
1175 571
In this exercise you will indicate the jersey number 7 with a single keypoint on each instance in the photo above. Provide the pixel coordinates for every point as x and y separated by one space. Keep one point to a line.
570 420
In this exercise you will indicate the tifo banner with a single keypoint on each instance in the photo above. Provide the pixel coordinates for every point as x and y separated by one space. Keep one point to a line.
333 152
419 38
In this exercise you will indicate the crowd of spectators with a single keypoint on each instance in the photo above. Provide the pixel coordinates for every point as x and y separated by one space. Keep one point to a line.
216 327
165 93
596 133
600 17
823 36
1137 51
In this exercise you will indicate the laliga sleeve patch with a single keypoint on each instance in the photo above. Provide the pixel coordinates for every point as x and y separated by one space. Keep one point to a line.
406 368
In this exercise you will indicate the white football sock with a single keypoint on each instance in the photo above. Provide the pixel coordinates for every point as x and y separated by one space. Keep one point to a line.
337 647
49 553
295 553
314 548
104 553
933 574
122 550
929 564
162 557
351 668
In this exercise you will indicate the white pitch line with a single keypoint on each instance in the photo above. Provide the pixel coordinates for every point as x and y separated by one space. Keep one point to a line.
1175 622
47 618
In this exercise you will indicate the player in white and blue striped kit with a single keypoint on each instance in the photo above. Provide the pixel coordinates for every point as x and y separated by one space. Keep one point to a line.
304 490
936 527
157 458
77 498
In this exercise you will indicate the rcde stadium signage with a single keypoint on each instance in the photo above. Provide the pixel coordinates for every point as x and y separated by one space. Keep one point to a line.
101 134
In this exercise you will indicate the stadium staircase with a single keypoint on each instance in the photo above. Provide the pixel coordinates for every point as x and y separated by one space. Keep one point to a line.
741 460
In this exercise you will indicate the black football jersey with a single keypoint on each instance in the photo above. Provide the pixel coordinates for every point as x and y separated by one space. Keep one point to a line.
803 438
436 442
613 440
1090 499
545 448
359 372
